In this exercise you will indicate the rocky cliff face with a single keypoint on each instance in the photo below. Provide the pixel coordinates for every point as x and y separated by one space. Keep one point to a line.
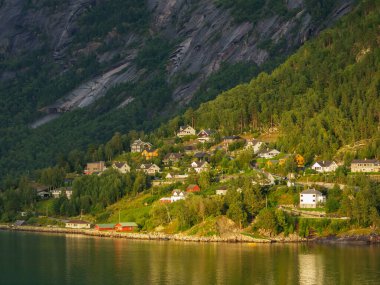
29 25
205 35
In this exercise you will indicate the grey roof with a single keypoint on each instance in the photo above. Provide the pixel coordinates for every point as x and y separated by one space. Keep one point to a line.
105 225
311 191
374 161
184 127
120 164
140 142
128 224
19 223
201 154
325 163
173 156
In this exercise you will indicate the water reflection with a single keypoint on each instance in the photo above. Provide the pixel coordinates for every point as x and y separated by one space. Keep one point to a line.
41 259
311 269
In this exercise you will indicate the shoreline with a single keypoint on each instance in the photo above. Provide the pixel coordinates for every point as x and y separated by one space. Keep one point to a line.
231 238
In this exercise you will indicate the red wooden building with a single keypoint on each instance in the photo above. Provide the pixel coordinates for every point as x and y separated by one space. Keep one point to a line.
104 227
193 188
126 227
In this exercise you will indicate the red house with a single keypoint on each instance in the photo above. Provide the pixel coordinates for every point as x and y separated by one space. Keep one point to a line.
166 200
125 227
104 227
193 188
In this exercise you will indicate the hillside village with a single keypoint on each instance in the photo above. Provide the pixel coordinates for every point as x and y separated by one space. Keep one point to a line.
221 170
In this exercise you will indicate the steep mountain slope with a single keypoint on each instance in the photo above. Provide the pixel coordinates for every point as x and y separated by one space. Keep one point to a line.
323 97
131 63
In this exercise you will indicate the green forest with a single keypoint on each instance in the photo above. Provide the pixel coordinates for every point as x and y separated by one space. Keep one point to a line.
36 80
320 99
323 97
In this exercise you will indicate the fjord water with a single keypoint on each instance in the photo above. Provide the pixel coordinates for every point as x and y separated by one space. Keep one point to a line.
30 258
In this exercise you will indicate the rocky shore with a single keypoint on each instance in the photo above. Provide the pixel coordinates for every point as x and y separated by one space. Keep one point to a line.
227 238
232 238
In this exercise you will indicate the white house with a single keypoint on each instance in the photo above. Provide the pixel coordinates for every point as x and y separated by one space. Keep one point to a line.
140 146
43 194
268 153
78 224
95 167
310 198
150 169
365 165
171 176
186 131
56 193
178 195
206 136
255 145
325 166
221 190
200 166
123 167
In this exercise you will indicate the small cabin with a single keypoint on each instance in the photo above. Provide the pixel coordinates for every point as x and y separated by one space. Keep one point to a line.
78 224
126 227
104 227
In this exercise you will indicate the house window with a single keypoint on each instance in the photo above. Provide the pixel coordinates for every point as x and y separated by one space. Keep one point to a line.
313 200
313 195
301 200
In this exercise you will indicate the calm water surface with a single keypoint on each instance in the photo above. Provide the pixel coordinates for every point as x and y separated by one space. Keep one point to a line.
29 258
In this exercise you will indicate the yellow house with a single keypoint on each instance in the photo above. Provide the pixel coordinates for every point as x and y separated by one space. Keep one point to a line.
300 160
272 163
283 159
150 153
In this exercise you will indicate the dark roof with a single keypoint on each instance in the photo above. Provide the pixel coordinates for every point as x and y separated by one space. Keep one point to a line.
224 187
175 155
231 138
311 191
146 166
201 154
119 164
190 147
375 161
208 132
77 222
